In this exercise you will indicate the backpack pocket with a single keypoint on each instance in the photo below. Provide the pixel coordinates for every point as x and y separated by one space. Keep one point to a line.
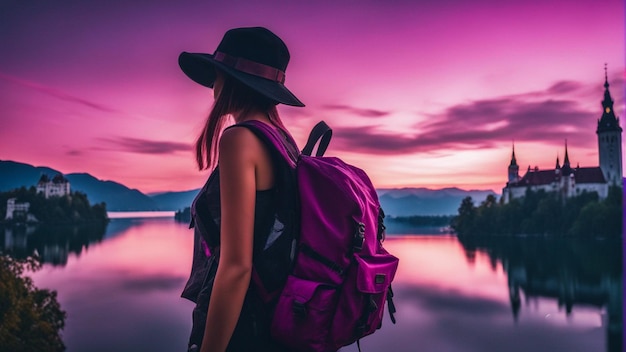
361 303
303 314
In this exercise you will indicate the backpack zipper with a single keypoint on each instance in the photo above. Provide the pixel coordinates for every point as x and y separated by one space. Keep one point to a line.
311 253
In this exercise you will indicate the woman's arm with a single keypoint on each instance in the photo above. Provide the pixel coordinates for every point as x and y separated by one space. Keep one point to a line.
237 162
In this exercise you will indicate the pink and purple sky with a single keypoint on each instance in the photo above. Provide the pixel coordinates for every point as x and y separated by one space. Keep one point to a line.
419 93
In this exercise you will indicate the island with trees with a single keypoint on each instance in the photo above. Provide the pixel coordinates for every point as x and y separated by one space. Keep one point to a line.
39 225
27 205
183 215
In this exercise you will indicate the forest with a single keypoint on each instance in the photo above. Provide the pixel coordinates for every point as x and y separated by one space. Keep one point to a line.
543 213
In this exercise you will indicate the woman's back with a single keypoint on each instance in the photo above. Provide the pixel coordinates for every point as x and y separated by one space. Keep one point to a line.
247 74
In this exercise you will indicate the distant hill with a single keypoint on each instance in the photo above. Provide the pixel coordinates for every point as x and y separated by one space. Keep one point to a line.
15 175
117 196
175 200
425 201
395 201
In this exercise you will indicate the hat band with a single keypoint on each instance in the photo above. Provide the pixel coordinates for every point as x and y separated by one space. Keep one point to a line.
250 67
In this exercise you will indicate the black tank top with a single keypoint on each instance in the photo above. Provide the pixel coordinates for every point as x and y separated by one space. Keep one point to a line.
252 329
206 212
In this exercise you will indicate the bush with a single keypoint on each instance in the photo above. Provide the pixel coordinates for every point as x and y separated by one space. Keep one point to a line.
31 319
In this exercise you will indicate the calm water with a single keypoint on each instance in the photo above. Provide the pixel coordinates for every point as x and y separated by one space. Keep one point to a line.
120 287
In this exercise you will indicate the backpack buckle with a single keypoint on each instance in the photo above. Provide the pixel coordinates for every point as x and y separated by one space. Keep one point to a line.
381 225
359 237
299 309
372 306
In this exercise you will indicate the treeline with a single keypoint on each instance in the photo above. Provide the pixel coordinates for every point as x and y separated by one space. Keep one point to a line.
183 215
543 213
71 209
422 220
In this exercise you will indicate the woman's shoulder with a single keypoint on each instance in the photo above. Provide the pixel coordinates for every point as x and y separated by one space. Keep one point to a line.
234 137
238 143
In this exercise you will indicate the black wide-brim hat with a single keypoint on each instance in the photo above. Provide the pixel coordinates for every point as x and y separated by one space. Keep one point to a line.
254 56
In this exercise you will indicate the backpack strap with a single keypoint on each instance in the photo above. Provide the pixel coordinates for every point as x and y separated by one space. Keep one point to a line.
391 307
270 136
322 133
278 145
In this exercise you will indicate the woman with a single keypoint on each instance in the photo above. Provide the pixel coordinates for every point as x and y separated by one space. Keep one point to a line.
247 73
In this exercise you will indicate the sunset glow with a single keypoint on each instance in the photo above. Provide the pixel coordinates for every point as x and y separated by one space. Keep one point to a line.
423 94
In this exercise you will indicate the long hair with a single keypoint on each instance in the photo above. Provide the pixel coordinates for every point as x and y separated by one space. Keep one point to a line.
234 97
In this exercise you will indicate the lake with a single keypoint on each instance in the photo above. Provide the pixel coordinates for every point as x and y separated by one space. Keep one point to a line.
120 287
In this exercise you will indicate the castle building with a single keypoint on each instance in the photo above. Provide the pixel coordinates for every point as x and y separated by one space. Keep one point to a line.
59 186
567 180
16 210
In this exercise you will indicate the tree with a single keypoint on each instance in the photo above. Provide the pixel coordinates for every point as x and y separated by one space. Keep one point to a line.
487 216
464 223
31 319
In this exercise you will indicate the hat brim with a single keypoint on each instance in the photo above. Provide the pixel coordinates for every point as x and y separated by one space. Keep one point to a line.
201 69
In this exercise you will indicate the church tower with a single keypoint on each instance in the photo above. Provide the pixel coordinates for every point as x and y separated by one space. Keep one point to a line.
609 139
513 168
567 168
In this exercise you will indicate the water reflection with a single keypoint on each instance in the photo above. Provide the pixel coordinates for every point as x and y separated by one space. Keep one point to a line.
451 296
449 303
573 272
124 293
52 243
118 227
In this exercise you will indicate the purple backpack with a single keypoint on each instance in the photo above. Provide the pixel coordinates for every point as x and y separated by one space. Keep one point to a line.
341 275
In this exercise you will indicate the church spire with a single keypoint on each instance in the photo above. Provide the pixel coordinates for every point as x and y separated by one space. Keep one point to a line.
513 168
513 159
566 169
608 121
558 165
566 160
608 101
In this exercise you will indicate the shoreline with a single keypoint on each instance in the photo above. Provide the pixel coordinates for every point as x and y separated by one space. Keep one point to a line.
139 214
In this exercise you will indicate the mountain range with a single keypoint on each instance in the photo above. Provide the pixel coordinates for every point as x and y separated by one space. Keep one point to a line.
426 201
117 196
395 201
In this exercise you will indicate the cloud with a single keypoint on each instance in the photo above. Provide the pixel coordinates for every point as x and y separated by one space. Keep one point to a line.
534 116
563 87
57 93
74 152
356 111
293 111
143 146
507 118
